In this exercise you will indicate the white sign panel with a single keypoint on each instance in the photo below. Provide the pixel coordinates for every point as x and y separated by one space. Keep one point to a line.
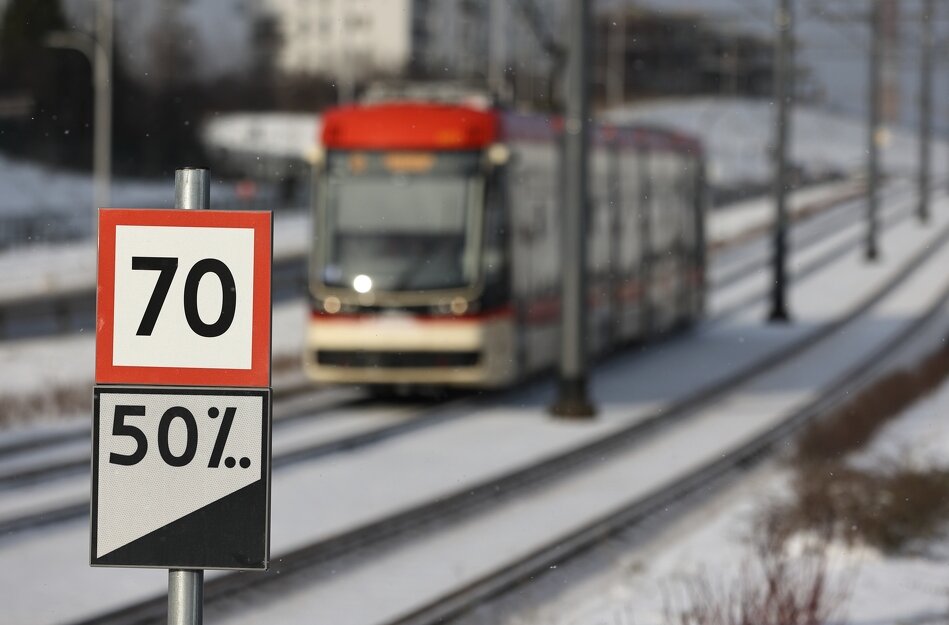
181 478
186 297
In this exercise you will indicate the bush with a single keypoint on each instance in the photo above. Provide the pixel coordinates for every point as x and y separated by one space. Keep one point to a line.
893 509
774 588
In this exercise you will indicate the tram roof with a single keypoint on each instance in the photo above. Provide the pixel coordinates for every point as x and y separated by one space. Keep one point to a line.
434 126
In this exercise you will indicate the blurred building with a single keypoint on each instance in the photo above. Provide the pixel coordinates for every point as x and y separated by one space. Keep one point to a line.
353 41
346 38
641 53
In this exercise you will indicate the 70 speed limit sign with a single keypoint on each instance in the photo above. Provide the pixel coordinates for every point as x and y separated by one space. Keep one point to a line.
183 297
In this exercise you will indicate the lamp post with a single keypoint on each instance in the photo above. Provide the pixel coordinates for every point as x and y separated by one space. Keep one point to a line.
98 51
784 95
572 400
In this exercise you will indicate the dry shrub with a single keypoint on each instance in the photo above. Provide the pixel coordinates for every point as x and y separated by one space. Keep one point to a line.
774 588
893 509
853 424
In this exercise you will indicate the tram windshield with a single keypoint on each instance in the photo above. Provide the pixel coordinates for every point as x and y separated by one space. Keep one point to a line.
401 221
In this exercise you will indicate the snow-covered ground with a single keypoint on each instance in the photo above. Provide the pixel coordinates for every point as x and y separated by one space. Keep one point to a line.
629 581
737 135
507 434
633 578
29 189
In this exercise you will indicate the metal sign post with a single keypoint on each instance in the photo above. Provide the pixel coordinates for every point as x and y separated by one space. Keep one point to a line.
186 588
182 403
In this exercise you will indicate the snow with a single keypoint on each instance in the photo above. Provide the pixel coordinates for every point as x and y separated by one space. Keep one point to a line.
633 577
736 220
285 135
737 135
629 580
29 188
465 551
318 499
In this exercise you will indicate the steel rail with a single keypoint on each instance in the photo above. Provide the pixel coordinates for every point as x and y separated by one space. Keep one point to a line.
293 390
890 219
696 483
361 440
477 498
429 416
839 216
67 512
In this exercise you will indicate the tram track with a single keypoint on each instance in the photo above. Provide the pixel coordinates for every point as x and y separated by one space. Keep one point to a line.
294 391
810 231
697 484
894 217
402 422
427 417
479 498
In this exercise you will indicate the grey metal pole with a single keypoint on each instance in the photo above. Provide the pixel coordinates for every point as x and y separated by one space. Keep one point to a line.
925 110
784 96
193 188
572 400
185 597
616 64
498 43
873 128
102 124
186 588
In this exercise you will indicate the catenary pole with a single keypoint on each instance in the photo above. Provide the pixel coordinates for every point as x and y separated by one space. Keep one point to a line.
616 60
186 587
873 128
925 110
102 124
572 400
784 97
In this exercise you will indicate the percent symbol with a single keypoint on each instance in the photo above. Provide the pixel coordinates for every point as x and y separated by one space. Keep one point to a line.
221 440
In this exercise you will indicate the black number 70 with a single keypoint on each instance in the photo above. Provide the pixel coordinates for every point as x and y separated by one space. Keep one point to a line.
168 267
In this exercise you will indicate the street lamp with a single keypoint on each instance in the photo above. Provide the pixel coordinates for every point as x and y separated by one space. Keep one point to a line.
98 51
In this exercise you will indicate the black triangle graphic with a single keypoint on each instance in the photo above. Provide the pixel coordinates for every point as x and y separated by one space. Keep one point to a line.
230 533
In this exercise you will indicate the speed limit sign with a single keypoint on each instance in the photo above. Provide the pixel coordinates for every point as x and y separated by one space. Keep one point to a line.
183 297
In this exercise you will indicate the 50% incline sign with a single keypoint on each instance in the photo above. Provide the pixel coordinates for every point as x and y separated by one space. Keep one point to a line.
181 467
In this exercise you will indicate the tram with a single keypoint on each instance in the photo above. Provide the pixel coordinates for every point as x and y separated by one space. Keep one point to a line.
436 243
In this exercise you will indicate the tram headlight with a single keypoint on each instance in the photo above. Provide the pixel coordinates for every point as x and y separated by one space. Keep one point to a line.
362 283
332 305
459 306
498 154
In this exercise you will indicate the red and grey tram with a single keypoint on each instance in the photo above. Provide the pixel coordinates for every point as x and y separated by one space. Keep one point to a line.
436 243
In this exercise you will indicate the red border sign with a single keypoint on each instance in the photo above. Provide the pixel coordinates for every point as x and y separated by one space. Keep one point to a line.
259 373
